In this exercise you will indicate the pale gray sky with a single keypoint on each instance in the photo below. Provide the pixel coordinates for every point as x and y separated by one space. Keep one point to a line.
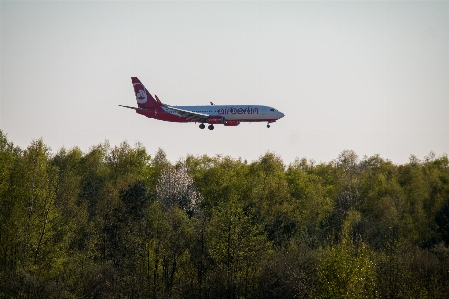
371 76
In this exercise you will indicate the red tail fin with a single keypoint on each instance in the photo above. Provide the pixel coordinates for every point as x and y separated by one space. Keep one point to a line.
143 97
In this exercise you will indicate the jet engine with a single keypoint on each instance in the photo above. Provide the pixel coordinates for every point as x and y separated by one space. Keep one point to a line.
215 120
231 123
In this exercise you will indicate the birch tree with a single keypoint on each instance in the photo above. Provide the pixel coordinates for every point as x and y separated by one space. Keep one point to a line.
175 187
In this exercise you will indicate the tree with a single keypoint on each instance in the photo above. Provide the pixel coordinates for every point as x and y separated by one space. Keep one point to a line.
236 245
288 273
382 203
311 202
442 220
176 187
9 185
347 270
348 172
37 221
171 234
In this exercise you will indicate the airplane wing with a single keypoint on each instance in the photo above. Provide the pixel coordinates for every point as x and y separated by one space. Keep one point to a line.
135 108
190 115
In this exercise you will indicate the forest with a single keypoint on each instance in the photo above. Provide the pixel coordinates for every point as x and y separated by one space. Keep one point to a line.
118 222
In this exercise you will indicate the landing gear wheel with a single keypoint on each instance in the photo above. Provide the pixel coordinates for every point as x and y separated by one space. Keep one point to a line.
268 126
210 127
202 126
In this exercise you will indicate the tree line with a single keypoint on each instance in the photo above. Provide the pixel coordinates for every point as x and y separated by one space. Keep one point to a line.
117 222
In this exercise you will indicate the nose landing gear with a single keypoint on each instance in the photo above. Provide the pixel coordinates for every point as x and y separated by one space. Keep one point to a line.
268 125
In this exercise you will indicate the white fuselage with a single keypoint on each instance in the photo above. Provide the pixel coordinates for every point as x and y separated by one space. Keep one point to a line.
235 112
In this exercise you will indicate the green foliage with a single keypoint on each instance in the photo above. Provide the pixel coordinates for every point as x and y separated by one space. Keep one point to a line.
347 270
237 246
115 222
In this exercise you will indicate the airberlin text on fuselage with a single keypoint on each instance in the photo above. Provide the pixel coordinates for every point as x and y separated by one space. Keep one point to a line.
232 110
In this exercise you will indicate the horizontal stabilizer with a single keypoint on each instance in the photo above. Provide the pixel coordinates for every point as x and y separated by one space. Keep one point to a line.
135 108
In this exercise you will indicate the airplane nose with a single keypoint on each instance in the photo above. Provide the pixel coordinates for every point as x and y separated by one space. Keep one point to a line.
281 115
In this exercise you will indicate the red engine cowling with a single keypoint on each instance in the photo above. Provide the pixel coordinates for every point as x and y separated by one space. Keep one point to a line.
231 123
215 120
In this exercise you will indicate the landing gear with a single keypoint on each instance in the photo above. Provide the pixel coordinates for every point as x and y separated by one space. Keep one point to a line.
210 127
268 125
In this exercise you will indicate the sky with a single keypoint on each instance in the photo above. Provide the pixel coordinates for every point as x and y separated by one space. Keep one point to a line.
369 76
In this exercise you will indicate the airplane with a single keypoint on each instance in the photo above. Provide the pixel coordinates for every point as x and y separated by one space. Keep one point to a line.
228 115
